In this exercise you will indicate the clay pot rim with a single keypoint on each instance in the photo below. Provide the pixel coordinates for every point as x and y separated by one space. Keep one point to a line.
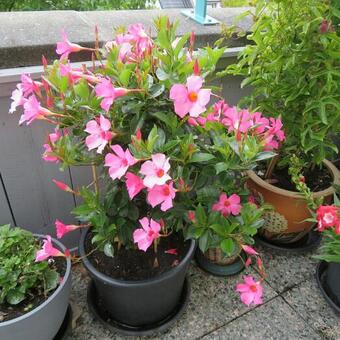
294 194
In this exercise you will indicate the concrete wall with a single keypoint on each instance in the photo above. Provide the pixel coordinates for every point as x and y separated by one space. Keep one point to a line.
28 197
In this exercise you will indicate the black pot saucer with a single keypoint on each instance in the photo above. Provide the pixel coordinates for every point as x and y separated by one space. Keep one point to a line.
320 273
306 244
123 329
217 269
66 327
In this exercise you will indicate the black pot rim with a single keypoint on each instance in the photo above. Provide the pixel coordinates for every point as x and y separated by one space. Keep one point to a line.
159 327
55 293
320 268
122 283
314 239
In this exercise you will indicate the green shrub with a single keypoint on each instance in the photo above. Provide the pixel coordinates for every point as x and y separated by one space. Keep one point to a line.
21 278
76 5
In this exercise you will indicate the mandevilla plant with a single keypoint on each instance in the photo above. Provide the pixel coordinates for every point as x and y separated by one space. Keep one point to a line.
23 276
293 68
141 117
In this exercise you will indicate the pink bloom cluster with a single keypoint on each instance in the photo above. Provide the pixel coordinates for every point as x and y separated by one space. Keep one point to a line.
251 291
48 155
243 123
133 45
75 75
328 216
190 98
227 206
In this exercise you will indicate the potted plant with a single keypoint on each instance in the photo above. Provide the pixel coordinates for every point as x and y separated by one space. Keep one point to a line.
328 270
34 291
126 117
293 68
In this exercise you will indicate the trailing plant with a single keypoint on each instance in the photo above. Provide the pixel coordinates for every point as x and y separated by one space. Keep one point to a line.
292 64
21 277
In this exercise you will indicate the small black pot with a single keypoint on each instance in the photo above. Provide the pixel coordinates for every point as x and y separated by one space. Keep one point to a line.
139 303
328 279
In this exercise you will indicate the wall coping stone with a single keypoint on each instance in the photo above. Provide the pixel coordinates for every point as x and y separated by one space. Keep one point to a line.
25 36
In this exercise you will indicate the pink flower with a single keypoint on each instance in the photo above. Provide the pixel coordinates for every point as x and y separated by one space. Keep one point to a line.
28 85
145 236
62 229
162 194
18 99
62 186
99 133
48 154
190 98
327 216
249 250
191 216
76 74
134 184
220 108
227 205
250 291
274 134
259 123
236 121
33 111
139 36
47 250
248 262
109 93
65 47
155 171
119 162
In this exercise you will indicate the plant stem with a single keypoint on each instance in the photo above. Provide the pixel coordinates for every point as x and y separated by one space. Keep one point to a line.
271 167
95 178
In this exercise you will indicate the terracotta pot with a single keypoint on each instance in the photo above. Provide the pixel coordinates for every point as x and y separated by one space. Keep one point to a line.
286 223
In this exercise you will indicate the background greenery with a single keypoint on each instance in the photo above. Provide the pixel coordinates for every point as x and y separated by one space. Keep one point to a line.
78 5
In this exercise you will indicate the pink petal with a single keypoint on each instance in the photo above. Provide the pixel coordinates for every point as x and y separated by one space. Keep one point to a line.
182 109
118 150
155 226
194 83
145 223
204 96
196 110
179 93
247 298
92 141
104 123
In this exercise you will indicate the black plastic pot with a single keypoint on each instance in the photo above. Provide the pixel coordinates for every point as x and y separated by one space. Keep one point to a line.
328 279
139 303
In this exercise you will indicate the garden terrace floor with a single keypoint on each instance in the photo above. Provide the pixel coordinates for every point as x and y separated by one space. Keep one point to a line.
293 306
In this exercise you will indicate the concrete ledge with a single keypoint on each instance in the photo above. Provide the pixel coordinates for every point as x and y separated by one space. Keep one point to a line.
25 36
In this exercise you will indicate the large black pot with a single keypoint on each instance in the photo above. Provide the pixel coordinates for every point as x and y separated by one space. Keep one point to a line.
139 303
328 279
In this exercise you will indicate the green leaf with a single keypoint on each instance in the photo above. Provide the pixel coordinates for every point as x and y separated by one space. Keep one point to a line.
82 90
203 242
156 90
51 279
218 229
228 246
108 249
14 297
201 157
124 77
201 215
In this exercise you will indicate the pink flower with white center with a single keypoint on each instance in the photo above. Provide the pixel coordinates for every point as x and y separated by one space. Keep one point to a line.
251 292
32 111
119 162
100 134
134 184
249 250
227 206
162 194
109 93
190 98
47 251
62 229
28 85
65 47
146 235
155 171
236 121
327 216
18 99
48 154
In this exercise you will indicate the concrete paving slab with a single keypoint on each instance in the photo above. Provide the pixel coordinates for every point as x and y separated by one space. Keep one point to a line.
309 303
273 320
286 271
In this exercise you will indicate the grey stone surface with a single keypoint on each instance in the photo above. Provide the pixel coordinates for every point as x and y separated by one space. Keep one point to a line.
308 302
286 271
296 311
273 320
25 36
